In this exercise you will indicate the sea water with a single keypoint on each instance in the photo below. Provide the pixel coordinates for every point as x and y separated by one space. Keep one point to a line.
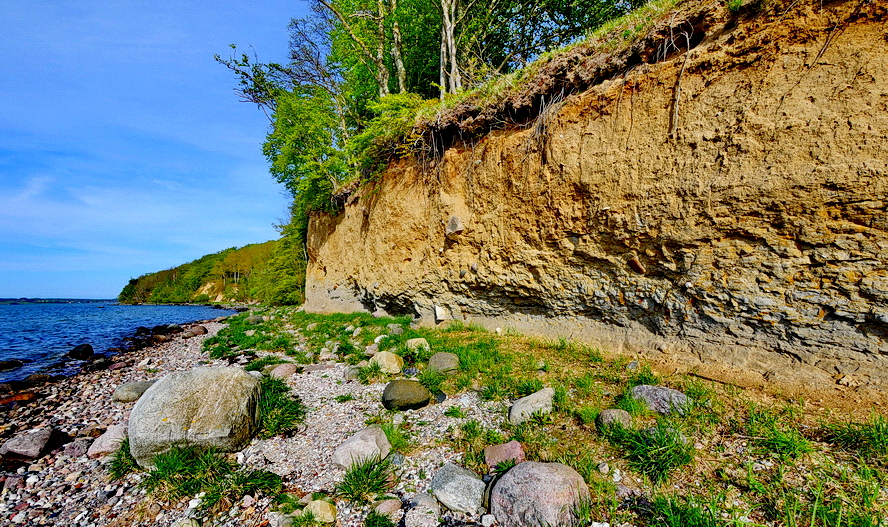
40 334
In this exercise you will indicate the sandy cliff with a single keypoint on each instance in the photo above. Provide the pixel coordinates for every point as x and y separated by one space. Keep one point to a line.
725 204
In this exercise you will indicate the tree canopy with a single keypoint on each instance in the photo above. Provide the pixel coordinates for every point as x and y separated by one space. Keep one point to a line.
359 71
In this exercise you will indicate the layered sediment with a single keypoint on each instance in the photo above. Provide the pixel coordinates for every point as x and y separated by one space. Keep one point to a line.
719 204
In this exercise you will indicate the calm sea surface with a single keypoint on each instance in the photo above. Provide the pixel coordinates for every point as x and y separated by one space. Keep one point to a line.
43 333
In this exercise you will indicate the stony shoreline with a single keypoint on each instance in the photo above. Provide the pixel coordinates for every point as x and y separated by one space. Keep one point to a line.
66 487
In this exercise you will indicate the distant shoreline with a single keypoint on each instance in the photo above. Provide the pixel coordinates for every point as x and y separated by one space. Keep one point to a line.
23 300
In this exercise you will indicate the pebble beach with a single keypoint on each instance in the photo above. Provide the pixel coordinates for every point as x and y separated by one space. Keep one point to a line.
68 487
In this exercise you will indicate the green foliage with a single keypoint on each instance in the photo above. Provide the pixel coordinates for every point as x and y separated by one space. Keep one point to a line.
278 411
122 461
184 472
230 272
383 135
365 480
773 432
344 398
397 437
643 375
300 150
371 373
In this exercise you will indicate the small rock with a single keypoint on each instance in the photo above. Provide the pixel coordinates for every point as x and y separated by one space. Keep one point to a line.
496 454
525 407
405 395
369 443
613 417
388 508
323 511
77 448
488 520
537 494
131 391
417 343
388 362
351 373
108 442
11 364
28 445
81 352
186 522
661 399
457 488
284 371
444 362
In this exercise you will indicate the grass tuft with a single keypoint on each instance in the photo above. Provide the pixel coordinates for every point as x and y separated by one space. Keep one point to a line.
184 472
869 438
366 480
278 411
655 452
122 461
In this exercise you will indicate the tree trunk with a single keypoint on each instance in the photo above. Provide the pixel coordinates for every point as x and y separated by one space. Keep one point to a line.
382 72
448 47
396 48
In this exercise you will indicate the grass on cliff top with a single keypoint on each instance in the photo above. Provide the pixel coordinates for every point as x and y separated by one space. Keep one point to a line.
734 457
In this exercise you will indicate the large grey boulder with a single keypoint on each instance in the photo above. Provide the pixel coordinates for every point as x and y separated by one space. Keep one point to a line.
131 391
405 395
204 407
661 399
524 408
537 494
457 488
369 443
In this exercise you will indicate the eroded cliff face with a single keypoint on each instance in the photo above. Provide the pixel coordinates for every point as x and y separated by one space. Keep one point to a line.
726 204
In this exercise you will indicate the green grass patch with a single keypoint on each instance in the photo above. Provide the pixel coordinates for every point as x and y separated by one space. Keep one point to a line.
655 452
868 438
397 437
122 461
455 411
185 472
278 411
268 360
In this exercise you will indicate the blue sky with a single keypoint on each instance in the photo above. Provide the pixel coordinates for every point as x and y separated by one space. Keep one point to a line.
123 148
